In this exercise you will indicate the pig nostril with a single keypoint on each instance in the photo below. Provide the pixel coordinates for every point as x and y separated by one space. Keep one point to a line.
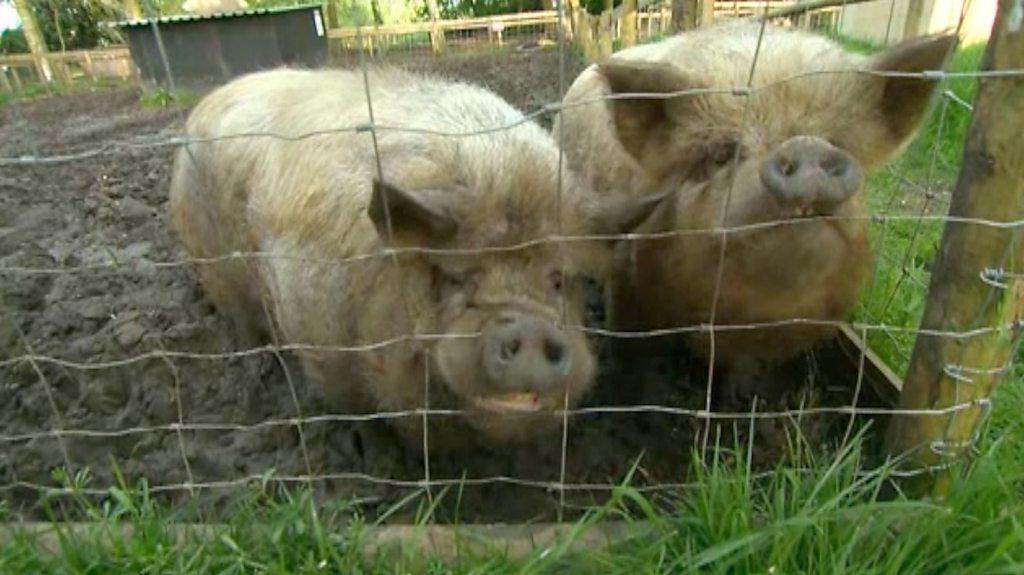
509 349
786 166
835 166
554 352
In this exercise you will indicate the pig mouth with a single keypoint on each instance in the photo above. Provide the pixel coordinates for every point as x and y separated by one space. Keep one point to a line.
516 402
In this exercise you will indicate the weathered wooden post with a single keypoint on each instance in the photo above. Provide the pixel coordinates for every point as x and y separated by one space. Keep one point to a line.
706 14
34 38
132 9
90 69
627 30
690 14
17 78
4 82
605 23
436 33
977 281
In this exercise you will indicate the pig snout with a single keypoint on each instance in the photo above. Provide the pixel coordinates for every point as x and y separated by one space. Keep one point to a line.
526 353
811 175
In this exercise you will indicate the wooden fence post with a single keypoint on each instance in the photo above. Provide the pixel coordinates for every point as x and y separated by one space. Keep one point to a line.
604 35
706 13
17 78
34 38
627 31
4 82
690 14
436 33
977 280
132 9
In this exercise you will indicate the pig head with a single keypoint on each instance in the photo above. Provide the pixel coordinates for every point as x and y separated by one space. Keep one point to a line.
774 172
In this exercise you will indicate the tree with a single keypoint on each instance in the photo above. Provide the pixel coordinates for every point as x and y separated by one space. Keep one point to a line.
628 28
33 37
62 25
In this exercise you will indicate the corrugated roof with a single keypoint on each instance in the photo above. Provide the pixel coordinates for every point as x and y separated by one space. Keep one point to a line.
214 16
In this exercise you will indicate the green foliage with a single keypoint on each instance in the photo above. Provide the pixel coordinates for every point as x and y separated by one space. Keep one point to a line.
815 513
915 184
68 25
595 7
163 98
473 8
13 42
33 91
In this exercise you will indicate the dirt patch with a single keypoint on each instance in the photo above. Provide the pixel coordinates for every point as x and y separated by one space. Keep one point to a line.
111 208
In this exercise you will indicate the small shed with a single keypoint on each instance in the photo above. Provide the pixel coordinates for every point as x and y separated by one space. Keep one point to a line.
209 49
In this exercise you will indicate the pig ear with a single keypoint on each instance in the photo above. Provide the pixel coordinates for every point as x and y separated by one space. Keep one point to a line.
625 215
905 100
647 122
414 219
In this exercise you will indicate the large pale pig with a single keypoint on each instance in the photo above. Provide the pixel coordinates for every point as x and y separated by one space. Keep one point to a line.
503 337
795 151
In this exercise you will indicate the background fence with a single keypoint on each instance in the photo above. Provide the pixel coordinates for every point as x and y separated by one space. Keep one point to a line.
112 353
417 39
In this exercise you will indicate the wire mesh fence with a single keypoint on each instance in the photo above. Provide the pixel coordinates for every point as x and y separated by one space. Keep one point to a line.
110 353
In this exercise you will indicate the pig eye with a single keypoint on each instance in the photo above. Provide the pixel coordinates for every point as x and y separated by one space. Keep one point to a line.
557 279
447 283
724 152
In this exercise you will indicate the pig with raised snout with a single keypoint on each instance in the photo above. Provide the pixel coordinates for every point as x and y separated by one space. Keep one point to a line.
497 310
794 151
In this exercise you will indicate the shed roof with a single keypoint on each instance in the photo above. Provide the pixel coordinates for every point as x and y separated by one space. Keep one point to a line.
214 16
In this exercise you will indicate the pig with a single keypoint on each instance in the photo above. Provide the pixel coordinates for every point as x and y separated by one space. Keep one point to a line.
502 328
795 151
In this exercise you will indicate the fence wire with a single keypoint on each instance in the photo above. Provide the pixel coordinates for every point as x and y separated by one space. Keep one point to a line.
359 47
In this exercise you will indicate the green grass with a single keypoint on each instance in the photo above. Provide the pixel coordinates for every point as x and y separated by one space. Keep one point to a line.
816 513
163 98
34 91
917 183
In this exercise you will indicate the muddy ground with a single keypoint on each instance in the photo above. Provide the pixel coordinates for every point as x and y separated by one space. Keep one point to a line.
112 208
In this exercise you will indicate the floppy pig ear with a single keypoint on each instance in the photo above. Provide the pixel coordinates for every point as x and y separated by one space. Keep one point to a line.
905 100
647 122
414 220
625 215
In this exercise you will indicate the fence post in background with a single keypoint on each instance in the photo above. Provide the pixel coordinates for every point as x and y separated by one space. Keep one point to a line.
565 20
16 77
686 14
436 33
915 20
605 22
572 7
977 280
132 9
34 38
332 14
604 35
4 82
706 13
627 31
89 69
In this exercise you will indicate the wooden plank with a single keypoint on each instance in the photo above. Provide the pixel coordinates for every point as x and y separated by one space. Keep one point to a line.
880 380
446 542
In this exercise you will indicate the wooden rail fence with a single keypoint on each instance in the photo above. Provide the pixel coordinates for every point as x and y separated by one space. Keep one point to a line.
595 35
18 71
